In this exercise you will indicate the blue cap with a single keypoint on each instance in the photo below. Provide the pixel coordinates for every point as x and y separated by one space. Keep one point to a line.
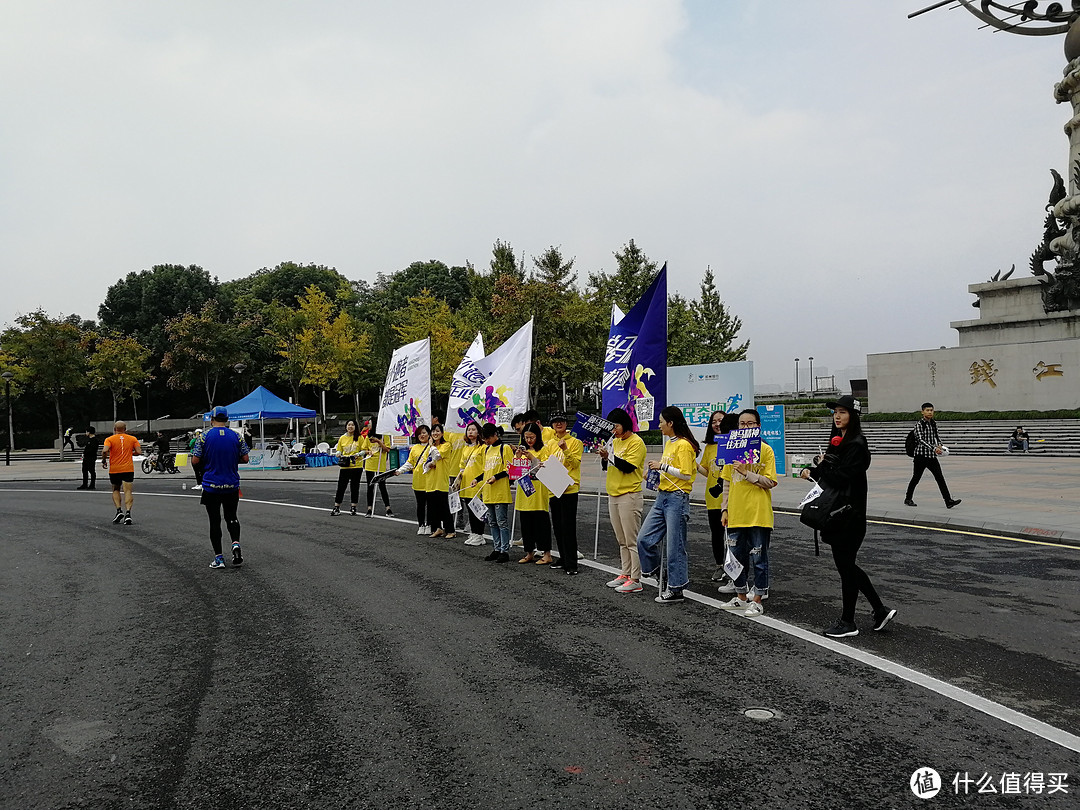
219 412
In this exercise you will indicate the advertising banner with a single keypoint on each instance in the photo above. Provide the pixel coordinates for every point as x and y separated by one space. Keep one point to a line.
772 433
492 388
701 389
406 398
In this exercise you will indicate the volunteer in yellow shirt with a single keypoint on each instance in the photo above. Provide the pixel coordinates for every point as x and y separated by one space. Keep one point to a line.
667 519
625 471
351 449
378 461
438 485
720 424
472 468
566 450
533 509
496 491
418 459
748 516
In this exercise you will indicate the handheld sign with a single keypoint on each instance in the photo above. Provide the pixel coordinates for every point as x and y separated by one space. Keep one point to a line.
592 428
525 484
742 446
652 480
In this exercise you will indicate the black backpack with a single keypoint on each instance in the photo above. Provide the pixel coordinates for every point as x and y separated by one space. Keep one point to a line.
911 442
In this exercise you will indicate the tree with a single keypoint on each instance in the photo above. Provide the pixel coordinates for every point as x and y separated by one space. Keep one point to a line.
301 338
702 330
428 317
141 303
285 284
348 357
50 354
118 363
634 272
204 346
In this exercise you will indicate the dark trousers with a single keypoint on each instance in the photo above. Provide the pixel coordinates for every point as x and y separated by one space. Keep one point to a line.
421 507
853 579
89 473
564 526
716 529
934 466
439 511
349 477
476 525
371 491
216 503
536 531
198 469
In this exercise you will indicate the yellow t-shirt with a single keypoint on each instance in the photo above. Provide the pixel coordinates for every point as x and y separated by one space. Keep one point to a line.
570 458
631 449
379 460
496 459
438 480
748 504
547 434
418 456
472 467
351 446
708 461
679 453
538 501
457 444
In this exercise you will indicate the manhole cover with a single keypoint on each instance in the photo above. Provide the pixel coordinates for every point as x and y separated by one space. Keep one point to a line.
760 714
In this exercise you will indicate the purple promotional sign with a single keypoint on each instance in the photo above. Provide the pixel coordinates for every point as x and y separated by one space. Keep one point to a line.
742 446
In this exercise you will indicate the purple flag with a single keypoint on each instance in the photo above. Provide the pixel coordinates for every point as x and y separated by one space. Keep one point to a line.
635 368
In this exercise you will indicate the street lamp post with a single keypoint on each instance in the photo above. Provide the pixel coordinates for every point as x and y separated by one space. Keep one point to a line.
7 375
149 422
812 380
796 377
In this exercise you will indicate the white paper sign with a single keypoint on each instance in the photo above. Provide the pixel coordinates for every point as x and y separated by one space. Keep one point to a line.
732 567
554 476
455 502
478 507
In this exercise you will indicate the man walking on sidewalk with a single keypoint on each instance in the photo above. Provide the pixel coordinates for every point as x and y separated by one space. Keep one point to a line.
928 447
89 459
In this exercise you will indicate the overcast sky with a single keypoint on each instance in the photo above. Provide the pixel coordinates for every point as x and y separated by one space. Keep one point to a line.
845 171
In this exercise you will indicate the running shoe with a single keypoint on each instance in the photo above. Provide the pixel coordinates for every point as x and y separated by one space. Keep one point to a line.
197 488
883 617
423 530
735 603
353 511
389 512
217 562
127 519
842 629
619 580
334 512
630 586
755 609
118 517
237 558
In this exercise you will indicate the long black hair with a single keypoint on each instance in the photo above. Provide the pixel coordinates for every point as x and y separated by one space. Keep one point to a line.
729 423
679 427
854 427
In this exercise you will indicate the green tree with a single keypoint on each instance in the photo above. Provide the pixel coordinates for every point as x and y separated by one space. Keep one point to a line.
141 303
285 284
204 346
703 330
118 363
634 272
50 355
428 317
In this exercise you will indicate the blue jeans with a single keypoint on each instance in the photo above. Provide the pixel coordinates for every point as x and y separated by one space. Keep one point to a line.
750 546
498 520
666 521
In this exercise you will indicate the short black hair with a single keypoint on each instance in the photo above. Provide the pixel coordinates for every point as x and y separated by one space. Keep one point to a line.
926 405
488 430
757 416
532 415
90 431
517 419
621 417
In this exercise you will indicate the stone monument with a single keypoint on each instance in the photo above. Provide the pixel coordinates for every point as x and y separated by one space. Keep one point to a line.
1023 351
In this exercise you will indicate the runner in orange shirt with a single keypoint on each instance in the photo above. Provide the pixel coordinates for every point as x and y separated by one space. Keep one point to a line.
116 457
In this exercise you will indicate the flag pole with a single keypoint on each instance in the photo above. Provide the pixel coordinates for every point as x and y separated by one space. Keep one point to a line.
596 537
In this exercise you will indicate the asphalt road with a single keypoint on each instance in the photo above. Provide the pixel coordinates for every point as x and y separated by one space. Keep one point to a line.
351 664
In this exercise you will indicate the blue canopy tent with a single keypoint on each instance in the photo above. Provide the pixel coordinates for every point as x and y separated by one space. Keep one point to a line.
262 404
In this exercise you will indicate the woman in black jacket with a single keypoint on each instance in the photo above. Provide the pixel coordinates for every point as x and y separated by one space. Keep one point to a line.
844 466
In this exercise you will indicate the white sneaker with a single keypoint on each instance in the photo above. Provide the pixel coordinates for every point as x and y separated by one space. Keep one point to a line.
197 488
580 556
424 530
630 586
727 587
735 603
475 540
519 543
752 592
754 609
619 580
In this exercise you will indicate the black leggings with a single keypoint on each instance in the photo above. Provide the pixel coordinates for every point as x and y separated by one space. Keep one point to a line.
216 503
852 578
421 507
439 511
476 526
371 491
564 525
716 529
535 531
350 477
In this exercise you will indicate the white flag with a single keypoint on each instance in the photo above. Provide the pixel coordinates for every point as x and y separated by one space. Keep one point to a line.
466 377
406 397
501 387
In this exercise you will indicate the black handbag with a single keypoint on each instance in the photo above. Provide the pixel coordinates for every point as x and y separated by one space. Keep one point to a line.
345 461
828 510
